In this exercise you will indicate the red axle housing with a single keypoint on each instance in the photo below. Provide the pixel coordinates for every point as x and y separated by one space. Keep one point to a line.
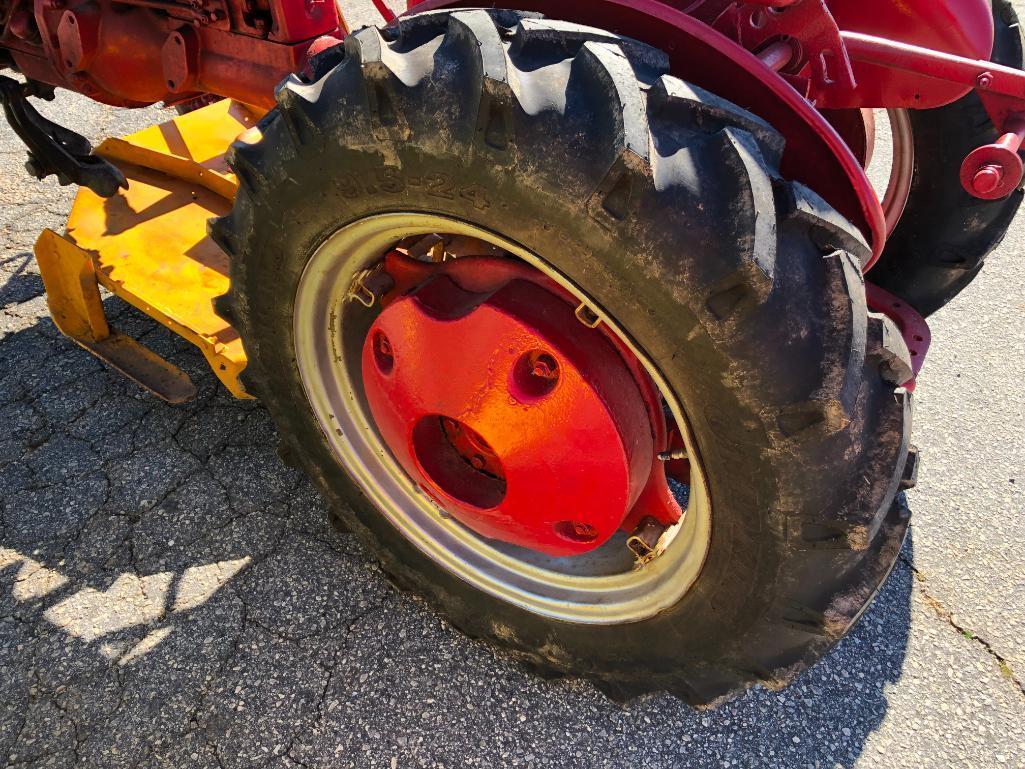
137 52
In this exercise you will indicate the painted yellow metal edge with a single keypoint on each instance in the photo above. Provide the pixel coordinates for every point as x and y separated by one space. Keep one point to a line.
148 245
73 296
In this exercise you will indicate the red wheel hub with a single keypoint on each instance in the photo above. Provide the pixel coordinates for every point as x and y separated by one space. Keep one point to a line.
522 422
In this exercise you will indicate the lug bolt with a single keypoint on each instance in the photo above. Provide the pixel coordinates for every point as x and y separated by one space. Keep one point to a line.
543 369
987 179
535 375
576 531
585 530
383 354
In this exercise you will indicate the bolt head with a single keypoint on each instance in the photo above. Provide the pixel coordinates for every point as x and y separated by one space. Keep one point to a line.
987 179
985 80
545 367
585 530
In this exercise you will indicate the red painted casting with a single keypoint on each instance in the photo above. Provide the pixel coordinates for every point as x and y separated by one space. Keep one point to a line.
951 27
136 52
521 422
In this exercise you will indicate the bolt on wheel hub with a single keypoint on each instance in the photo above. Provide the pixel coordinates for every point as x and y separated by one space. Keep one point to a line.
518 420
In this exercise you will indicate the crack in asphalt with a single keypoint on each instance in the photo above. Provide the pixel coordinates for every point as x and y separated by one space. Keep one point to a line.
947 616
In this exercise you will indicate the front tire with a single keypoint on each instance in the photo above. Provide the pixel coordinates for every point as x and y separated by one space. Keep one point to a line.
664 204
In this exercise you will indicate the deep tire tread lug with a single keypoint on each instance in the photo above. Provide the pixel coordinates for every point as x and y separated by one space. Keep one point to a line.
545 35
682 104
224 308
477 31
222 232
606 69
828 229
888 350
368 47
294 101
909 478
243 160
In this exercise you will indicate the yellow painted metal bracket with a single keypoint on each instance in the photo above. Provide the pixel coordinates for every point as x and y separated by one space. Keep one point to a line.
74 298
148 245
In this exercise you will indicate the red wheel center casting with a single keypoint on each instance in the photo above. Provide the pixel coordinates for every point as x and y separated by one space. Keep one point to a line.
520 421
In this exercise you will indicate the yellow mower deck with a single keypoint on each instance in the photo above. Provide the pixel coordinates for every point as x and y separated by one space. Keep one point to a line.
148 245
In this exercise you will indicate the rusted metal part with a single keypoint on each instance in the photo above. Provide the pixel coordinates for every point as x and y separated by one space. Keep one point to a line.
525 425
73 296
148 244
643 542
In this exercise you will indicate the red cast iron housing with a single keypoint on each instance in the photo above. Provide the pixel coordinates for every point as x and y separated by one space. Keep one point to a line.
523 422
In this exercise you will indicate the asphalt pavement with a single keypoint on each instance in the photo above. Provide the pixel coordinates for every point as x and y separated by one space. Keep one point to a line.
171 595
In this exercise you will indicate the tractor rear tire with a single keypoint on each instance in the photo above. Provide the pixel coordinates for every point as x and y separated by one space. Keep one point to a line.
944 236
665 204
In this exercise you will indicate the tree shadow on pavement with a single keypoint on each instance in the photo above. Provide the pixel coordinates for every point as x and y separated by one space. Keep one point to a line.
172 595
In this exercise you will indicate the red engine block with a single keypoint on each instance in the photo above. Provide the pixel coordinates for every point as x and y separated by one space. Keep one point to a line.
137 52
